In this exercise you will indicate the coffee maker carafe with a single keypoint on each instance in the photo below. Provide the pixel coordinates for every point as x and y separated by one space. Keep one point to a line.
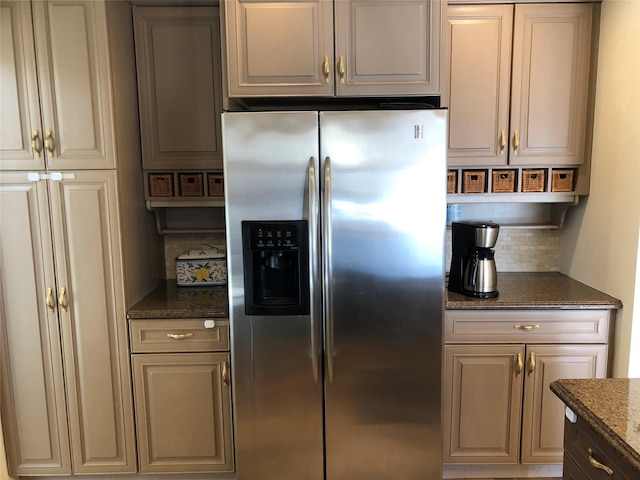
473 268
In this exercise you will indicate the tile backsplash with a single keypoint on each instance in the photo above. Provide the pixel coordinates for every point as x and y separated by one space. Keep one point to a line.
522 250
517 250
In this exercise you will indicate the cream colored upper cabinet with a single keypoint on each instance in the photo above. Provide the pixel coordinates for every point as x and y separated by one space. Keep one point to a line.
521 101
479 66
279 48
549 88
180 86
375 48
387 47
66 122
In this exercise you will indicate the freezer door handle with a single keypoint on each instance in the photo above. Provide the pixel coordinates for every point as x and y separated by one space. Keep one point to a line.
327 290
314 276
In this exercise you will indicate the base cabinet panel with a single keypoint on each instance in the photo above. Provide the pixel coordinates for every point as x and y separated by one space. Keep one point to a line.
63 331
183 405
543 412
498 408
485 395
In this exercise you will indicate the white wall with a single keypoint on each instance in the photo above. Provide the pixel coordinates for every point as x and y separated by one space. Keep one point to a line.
599 244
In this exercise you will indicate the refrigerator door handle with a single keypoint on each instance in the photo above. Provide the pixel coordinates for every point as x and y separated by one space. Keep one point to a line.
314 280
327 290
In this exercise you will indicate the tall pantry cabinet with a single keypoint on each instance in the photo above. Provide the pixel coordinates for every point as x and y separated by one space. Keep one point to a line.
77 246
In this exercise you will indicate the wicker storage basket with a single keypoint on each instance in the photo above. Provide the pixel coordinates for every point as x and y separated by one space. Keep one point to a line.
160 185
216 184
503 181
533 180
474 181
561 180
190 184
452 181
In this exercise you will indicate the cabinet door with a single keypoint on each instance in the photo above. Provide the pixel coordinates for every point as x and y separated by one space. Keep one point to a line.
483 398
279 47
19 107
479 72
543 412
92 314
179 86
388 48
32 403
74 78
183 406
550 81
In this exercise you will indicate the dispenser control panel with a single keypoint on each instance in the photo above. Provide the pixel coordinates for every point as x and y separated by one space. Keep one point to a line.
276 267
275 235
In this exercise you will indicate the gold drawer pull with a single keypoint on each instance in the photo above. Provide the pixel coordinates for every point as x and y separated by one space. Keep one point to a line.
341 68
180 336
526 328
595 463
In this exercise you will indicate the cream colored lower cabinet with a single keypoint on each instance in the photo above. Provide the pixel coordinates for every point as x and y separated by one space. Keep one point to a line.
182 399
498 406
65 381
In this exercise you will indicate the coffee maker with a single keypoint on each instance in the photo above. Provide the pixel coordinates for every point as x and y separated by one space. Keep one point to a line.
473 268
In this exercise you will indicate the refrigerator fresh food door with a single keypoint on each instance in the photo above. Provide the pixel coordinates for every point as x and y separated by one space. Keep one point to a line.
271 169
384 205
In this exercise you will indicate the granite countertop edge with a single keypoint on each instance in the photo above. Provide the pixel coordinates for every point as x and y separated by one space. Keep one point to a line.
536 291
595 422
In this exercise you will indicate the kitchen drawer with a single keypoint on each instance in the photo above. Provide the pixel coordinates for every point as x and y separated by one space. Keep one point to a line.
179 335
582 442
527 326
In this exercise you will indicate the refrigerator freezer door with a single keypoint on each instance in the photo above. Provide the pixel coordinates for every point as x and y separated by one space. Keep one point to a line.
384 297
278 415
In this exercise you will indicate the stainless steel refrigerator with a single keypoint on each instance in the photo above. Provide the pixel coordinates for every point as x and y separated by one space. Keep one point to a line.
335 225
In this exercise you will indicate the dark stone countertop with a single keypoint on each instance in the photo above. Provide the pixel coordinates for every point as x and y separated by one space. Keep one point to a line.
171 301
536 291
611 406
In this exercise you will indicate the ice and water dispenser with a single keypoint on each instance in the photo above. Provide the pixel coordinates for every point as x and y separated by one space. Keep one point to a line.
276 267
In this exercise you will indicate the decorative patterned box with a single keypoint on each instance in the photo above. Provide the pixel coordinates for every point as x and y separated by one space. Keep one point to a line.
205 265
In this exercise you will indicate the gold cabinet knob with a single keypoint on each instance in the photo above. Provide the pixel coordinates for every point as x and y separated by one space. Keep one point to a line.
532 363
35 148
325 69
62 300
519 365
48 143
48 301
341 68
225 374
